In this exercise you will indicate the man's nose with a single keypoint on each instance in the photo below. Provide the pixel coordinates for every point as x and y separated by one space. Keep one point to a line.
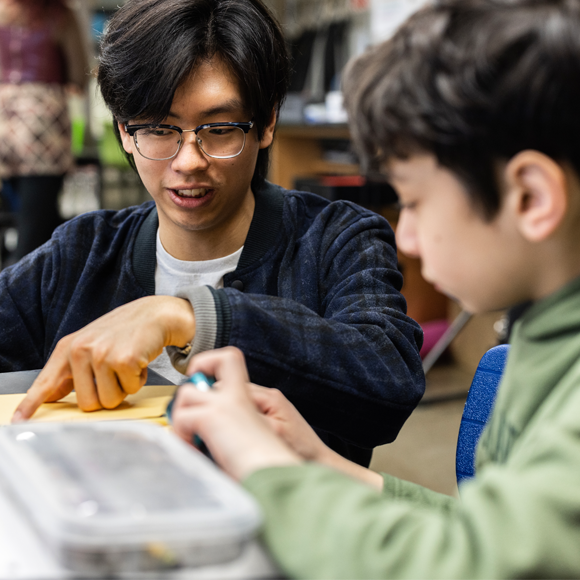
406 234
190 157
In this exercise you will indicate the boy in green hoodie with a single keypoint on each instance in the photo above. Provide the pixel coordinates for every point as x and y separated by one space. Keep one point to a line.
473 110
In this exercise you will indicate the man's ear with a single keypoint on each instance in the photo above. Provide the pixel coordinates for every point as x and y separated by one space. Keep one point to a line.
537 192
126 139
268 135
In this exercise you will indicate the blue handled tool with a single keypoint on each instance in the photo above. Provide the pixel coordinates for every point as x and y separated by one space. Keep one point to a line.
204 384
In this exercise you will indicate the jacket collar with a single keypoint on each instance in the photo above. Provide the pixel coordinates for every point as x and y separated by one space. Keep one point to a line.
263 233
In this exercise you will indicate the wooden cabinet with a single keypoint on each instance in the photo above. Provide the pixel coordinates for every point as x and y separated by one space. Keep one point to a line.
297 152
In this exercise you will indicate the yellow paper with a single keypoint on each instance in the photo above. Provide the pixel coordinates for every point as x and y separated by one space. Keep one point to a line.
149 403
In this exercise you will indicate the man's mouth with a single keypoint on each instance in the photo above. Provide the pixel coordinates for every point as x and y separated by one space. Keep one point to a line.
201 192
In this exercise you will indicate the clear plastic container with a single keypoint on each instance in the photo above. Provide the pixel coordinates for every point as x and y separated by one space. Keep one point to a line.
124 496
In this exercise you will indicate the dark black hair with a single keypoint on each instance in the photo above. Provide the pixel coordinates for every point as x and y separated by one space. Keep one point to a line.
473 82
151 46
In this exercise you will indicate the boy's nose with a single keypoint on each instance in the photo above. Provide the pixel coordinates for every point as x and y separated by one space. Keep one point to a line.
190 157
406 235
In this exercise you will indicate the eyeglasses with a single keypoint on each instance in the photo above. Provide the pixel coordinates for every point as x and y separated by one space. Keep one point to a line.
217 140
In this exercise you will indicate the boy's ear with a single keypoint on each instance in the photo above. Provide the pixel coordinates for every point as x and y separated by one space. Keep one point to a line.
125 138
537 192
268 135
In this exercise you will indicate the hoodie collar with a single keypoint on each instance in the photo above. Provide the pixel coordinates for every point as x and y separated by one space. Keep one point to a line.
263 234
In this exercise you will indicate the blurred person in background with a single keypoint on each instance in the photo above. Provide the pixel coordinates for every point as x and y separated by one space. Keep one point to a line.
42 56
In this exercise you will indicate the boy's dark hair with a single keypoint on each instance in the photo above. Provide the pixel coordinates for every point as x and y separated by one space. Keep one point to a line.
151 47
473 82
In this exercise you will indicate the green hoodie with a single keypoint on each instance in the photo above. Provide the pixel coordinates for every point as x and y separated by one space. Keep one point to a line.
518 518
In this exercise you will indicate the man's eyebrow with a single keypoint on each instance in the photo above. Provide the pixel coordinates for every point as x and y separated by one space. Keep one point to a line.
227 107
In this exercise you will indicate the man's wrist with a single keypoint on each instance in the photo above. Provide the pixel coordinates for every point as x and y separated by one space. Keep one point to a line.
201 300
179 321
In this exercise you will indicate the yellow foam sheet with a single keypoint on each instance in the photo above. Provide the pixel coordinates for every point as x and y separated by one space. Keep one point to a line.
149 403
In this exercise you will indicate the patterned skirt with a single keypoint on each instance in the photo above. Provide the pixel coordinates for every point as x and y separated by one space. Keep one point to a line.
35 133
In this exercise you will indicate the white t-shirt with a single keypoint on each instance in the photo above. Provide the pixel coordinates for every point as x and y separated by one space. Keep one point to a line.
173 277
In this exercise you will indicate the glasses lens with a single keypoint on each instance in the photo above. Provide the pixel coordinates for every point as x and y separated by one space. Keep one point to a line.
157 143
221 141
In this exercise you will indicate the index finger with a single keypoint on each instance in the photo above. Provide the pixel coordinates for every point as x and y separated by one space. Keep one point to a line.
225 364
48 386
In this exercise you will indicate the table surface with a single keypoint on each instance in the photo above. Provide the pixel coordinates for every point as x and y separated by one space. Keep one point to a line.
21 381
23 555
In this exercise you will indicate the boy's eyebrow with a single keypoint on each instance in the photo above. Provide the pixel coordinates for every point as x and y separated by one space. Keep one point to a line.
386 173
230 106
389 175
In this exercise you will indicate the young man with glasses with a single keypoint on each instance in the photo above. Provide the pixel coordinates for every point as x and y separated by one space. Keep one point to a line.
307 289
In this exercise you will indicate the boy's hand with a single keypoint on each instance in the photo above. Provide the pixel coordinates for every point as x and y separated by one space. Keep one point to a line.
289 424
285 419
244 425
107 359
239 437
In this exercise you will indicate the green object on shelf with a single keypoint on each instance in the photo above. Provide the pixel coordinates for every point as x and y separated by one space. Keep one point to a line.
110 151
77 136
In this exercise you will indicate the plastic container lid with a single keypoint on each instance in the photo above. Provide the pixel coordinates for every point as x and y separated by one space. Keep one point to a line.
124 496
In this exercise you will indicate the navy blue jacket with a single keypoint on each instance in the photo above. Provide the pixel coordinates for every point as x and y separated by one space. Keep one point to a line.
314 304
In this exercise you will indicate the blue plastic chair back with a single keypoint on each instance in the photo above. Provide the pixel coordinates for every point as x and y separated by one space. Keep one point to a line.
478 407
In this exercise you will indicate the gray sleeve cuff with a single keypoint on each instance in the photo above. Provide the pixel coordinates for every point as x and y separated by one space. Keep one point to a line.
202 301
